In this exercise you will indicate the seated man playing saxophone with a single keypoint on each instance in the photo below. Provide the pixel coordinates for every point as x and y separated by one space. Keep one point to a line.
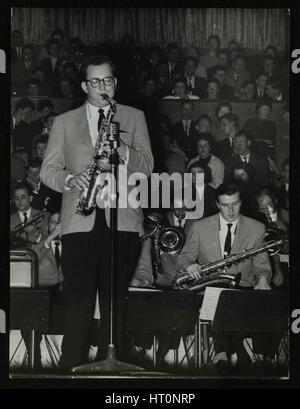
214 238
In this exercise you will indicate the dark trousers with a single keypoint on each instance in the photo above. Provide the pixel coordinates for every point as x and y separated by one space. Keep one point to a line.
85 265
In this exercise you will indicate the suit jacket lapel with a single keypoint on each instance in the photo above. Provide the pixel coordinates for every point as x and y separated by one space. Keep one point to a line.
215 237
236 246
83 128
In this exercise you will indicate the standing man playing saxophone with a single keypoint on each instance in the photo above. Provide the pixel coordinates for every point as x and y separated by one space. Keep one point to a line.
85 239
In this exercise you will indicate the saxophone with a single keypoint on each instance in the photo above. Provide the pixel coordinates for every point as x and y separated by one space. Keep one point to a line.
215 272
100 161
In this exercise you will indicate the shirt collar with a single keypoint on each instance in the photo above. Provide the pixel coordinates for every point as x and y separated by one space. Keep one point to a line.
223 223
93 110
28 214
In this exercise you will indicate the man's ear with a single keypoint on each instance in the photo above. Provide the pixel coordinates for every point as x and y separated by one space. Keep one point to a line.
30 198
84 87
116 82
217 203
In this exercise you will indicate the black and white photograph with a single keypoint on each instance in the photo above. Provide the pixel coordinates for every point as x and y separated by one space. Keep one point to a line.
148 196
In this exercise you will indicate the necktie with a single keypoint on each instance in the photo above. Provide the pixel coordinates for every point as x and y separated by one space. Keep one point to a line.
227 246
245 159
189 82
186 127
25 217
57 254
101 117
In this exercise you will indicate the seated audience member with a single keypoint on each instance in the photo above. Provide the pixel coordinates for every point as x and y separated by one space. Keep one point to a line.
22 199
208 194
262 129
204 123
283 185
17 165
70 71
269 67
39 146
213 89
22 137
237 75
219 73
282 149
66 88
221 109
271 215
34 88
22 69
162 78
234 49
229 125
75 50
48 122
275 90
261 85
243 174
50 276
44 107
59 36
195 85
149 87
175 66
248 89
212 239
244 154
184 132
223 61
40 74
42 196
210 58
52 65
206 158
180 90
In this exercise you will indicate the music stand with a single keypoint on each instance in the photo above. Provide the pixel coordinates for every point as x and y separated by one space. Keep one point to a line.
111 364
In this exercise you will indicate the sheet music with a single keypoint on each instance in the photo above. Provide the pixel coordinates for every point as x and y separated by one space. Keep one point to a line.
210 302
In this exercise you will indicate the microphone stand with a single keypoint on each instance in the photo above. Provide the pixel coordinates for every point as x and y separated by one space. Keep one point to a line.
111 364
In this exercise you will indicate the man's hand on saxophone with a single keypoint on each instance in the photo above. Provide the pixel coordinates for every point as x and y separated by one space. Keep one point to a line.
79 181
194 270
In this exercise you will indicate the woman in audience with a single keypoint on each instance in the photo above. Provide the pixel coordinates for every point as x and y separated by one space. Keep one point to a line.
210 58
206 158
222 109
262 129
248 89
161 72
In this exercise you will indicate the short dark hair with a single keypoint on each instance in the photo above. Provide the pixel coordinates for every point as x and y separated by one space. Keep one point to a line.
206 170
41 138
214 37
52 41
206 136
191 58
262 103
34 81
44 103
96 60
21 184
249 169
246 133
231 118
215 81
23 104
267 191
229 189
29 47
34 163
204 116
222 105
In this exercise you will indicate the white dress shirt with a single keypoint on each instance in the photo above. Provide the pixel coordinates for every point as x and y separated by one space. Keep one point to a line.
247 157
176 221
22 216
223 232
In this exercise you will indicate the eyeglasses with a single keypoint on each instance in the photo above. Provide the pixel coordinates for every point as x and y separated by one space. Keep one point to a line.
95 82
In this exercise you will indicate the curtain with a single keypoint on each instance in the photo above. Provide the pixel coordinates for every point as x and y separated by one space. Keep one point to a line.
253 28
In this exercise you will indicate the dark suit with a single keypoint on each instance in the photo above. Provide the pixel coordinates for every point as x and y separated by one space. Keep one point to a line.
259 163
22 137
85 239
52 76
187 143
21 74
199 88
31 237
44 192
224 149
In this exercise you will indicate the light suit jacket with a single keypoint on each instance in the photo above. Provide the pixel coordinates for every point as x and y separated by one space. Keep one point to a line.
203 246
70 150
